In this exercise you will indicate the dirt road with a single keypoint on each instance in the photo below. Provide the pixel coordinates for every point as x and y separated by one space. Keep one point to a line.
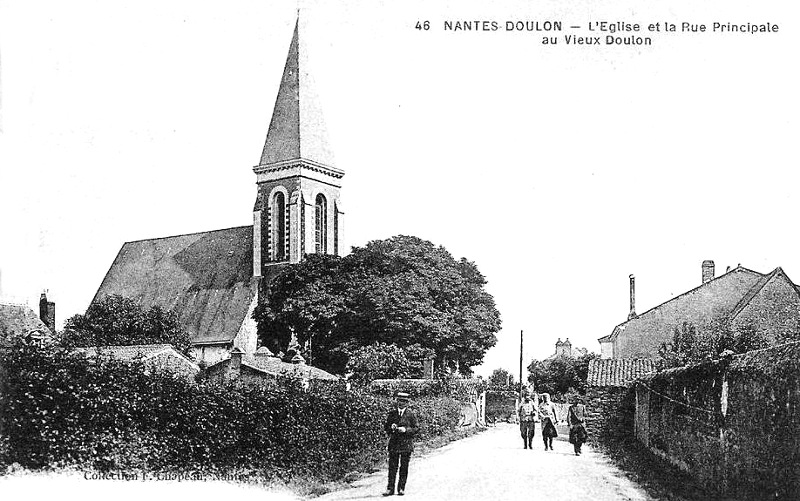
493 466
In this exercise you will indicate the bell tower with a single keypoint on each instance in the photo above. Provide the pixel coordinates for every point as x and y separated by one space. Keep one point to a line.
297 209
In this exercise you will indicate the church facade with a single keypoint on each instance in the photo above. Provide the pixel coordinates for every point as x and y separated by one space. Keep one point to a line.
212 279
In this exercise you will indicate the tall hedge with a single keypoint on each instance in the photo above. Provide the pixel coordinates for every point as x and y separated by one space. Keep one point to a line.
60 409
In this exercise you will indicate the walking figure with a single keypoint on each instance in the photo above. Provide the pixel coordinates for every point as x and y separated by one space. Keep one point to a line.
401 426
547 412
527 422
575 418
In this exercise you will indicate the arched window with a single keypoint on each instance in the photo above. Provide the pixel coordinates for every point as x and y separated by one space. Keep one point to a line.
321 225
279 227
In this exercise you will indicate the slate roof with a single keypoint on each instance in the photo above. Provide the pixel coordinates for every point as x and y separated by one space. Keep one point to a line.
617 372
205 278
17 320
297 130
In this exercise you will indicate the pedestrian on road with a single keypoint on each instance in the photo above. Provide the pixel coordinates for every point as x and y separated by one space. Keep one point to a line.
576 415
547 412
527 422
401 426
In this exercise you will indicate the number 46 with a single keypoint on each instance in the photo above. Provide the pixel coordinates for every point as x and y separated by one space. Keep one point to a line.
425 25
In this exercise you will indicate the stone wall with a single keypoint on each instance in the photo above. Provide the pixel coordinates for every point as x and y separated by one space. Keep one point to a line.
609 413
732 424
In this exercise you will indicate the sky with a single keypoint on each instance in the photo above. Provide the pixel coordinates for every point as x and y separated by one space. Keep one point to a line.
559 170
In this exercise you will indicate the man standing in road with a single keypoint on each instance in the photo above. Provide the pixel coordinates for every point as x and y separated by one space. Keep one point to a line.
401 426
527 422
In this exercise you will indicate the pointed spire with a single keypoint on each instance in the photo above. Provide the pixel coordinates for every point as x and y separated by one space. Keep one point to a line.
297 130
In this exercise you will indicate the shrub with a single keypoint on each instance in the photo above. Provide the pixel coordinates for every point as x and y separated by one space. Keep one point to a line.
61 409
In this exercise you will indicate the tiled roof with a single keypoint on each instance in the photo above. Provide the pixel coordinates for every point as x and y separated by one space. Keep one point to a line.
276 367
18 319
205 278
617 372
129 353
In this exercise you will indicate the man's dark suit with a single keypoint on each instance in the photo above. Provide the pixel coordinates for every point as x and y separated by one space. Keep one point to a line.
401 444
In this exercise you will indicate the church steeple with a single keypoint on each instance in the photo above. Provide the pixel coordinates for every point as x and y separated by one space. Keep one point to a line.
297 208
297 130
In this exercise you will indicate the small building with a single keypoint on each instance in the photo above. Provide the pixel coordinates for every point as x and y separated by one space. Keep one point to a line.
264 366
609 394
18 320
739 299
154 357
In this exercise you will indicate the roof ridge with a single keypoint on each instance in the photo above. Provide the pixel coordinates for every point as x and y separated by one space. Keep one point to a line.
187 234
740 268
753 291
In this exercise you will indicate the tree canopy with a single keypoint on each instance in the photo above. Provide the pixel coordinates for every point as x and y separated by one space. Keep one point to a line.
501 378
690 345
117 320
560 375
403 291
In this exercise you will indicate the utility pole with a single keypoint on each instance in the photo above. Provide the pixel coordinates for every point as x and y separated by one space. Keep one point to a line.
520 365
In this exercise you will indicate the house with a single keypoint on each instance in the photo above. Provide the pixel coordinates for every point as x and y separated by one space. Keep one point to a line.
18 320
212 280
154 357
264 366
740 299
565 349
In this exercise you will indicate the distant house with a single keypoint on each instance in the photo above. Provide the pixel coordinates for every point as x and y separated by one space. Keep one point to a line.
263 366
154 357
565 349
738 299
18 320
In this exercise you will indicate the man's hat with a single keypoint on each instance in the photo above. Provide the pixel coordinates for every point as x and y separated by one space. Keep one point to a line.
401 395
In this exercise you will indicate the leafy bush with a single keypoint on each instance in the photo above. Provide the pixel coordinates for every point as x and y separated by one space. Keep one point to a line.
62 409
460 389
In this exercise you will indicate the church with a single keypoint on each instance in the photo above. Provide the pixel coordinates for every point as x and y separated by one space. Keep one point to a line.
211 280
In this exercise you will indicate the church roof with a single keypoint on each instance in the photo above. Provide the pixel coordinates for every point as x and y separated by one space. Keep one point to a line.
297 130
18 320
205 278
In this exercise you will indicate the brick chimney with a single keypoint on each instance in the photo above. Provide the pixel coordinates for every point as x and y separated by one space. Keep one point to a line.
566 348
236 359
708 270
632 313
47 312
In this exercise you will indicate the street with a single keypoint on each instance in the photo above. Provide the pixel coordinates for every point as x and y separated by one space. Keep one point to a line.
493 465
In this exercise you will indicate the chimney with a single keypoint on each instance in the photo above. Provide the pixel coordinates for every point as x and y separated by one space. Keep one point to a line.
708 270
567 348
427 367
236 359
632 313
47 312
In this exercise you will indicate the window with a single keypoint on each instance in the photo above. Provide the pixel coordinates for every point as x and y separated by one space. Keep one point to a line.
279 227
321 225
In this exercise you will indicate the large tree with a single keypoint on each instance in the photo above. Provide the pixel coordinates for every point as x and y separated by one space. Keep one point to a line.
560 375
403 291
118 320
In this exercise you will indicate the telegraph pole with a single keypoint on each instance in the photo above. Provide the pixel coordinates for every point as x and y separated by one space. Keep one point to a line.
520 365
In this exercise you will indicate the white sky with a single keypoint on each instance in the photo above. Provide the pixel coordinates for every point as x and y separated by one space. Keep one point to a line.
558 170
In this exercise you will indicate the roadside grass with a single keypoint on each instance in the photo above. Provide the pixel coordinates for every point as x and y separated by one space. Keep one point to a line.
660 479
